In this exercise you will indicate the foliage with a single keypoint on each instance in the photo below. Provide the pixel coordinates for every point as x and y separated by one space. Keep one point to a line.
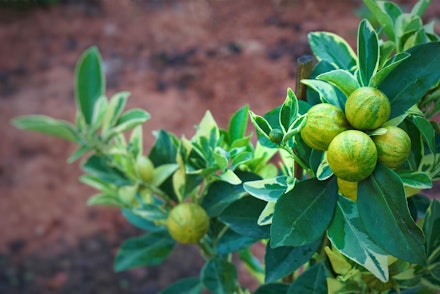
317 240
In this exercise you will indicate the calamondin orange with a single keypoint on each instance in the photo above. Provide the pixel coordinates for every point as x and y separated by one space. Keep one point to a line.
352 155
145 168
347 188
367 108
393 147
187 223
324 122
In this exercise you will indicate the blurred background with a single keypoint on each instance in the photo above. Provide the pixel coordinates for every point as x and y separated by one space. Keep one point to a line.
178 59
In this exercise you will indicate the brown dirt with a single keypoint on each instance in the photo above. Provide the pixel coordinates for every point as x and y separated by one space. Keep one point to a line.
178 59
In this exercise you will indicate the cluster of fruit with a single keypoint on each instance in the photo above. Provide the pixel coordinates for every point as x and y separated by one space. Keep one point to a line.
352 154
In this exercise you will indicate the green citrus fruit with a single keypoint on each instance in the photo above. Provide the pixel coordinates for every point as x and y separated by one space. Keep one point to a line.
348 189
352 155
145 168
187 223
276 136
393 147
324 122
367 108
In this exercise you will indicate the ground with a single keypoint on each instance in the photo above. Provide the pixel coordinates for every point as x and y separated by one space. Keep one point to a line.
177 59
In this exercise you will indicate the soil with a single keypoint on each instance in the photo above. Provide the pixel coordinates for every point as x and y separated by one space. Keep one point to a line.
178 59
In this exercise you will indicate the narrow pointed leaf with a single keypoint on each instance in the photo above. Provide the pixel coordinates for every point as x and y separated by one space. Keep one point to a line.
238 124
289 110
267 189
431 228
342 79
90 82
333 49
368 52
47 125
326 91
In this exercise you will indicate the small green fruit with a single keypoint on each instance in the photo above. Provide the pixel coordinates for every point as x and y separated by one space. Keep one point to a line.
187 223
145 168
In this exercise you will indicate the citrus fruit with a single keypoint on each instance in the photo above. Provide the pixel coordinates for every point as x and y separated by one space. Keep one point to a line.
352 155
187 223
276 136
367 108
145 168
348 189
324 122
393 147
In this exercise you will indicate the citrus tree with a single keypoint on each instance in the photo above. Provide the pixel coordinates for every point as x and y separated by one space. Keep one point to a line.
331 187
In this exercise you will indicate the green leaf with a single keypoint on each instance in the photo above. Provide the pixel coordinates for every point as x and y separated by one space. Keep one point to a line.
136 142
47 125
381 12
78 153
187 286
266 215
309 202
333 49
164 149
295 128
252 264
114 110
147 250
128 121
238 124
324 171
231 241
342 79
219 196
150 212
326 91
230 177
404 25
219 276
267 189
99 112
415 179
384 212
412 78
89 82
282 261
272 288
427 131
242 217
420 7
289 110
261 125
163 172
368 52
348 235
312 281
105 200
140 222
99 167
388 68
431 228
